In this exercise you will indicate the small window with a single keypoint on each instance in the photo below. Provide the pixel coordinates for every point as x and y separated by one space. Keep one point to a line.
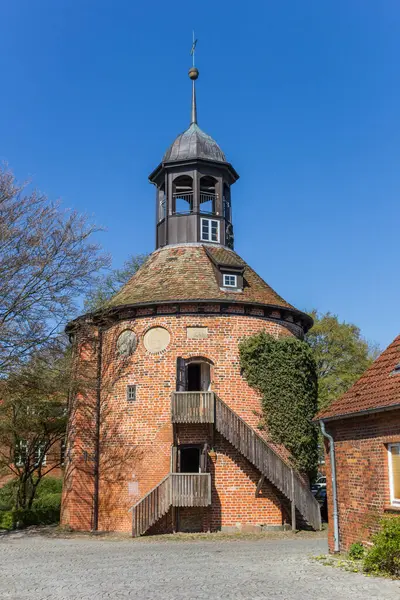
230 281
209 230
131 393
62 452
394 473
21 454
40 456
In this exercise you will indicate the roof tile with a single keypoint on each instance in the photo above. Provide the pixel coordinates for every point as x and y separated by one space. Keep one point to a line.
187 273
378 387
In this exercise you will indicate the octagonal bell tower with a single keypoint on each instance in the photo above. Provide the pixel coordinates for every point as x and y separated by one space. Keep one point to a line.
193 188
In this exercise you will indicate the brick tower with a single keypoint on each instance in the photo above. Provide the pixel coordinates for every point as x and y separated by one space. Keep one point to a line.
163 430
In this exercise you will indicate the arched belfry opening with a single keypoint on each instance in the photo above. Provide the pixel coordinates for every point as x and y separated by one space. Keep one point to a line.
162 203
226 202
182 195
208 195
193 184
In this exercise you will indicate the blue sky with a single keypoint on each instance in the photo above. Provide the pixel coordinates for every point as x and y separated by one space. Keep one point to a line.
303 97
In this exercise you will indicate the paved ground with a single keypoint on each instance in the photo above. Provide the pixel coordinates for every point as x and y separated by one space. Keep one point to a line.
41 568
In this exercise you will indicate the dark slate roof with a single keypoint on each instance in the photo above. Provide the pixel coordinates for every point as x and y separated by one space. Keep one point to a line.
194 143
186 273
377 389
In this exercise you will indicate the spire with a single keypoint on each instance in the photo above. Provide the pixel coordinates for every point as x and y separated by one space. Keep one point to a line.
193 74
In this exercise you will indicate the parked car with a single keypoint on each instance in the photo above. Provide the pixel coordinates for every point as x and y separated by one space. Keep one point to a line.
321 496
319 483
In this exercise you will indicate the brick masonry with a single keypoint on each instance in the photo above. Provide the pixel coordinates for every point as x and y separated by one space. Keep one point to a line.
362 474
136 437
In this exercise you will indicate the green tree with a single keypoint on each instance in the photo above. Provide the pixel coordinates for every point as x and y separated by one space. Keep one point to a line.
33 419
109 284
341 355
283 371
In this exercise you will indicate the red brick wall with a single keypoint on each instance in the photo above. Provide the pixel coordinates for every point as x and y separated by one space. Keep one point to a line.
136 438
362 474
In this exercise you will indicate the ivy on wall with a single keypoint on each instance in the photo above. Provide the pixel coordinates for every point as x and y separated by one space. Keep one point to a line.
283 370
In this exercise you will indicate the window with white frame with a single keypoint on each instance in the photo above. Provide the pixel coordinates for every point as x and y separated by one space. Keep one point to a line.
209 230
40 456
394 473
21 454
230 280
62 452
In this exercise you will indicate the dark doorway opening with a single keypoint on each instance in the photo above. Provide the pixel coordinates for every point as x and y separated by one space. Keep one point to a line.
190 460
194 377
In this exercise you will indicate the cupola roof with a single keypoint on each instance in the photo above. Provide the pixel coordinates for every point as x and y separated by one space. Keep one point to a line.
194 143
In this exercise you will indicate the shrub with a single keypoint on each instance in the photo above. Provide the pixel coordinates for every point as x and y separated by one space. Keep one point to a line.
45 509
356 551
49 485
7 495
35 516
384 556
48 501
6 519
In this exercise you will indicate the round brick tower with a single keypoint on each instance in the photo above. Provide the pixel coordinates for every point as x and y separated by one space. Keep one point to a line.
163 428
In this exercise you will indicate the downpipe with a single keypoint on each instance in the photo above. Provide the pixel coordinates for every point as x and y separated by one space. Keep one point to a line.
334 487
97 434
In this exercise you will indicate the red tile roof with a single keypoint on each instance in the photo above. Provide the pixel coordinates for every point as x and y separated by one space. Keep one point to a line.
179 273
378 388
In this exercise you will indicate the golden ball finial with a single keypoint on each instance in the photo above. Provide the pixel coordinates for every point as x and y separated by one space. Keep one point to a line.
193 73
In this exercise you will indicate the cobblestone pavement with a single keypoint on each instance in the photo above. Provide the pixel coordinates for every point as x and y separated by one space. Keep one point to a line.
42 568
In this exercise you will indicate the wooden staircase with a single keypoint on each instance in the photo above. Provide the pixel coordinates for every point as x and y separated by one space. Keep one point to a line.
194 489
268 462
176 489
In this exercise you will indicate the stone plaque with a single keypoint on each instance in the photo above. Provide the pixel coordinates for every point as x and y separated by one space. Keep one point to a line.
133 488
156 339
126 343
197 333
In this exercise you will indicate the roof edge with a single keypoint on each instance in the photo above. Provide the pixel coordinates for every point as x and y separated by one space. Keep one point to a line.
307 321
189 161
358 413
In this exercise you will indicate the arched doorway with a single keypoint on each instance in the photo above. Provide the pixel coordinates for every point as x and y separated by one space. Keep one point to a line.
193 375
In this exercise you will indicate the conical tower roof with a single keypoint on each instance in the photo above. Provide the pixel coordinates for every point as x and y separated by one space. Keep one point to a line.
189 273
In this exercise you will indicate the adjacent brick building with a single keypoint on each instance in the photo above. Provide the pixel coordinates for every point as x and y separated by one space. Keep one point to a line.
365 426
164 433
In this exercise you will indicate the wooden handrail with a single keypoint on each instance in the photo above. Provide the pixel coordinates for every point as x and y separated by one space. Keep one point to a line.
190 489
176 489
192 407
267 461
154 505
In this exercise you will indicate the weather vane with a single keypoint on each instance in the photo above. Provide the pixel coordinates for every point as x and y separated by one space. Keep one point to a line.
193 74
192 52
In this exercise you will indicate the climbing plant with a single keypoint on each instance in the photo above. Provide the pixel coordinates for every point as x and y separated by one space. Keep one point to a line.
283 370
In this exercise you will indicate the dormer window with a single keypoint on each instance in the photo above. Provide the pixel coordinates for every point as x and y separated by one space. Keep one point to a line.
230 280
396 370
209 230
